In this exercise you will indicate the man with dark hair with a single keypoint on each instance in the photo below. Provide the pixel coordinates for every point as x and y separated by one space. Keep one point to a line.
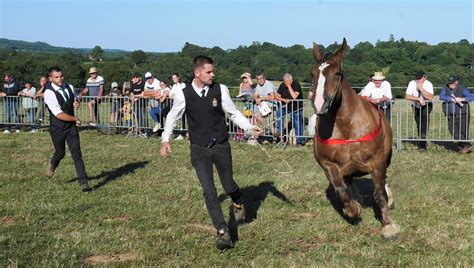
10 105
205 103
421 92
61 102
456 99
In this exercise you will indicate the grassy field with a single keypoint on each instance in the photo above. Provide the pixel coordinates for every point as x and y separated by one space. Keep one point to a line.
146 210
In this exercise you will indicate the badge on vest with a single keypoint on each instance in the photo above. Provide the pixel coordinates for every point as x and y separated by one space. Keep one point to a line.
214 102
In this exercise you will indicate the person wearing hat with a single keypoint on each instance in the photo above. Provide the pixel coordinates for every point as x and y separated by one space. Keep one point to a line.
95 88
379 92
246 86
421 92
455 97
152 88
115 93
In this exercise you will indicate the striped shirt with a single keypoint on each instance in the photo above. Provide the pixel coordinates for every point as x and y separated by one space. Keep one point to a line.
94 85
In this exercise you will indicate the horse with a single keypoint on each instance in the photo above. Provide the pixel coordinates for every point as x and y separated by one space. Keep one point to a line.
352 137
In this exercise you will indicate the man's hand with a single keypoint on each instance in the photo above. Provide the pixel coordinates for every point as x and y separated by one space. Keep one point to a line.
422 101
458 100
3 94
287 83
78 122
165 149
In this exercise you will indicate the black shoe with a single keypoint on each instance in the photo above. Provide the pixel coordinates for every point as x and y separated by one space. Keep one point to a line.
223 240
85 187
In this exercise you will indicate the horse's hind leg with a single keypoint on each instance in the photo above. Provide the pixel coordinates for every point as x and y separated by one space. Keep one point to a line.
352 208
390 230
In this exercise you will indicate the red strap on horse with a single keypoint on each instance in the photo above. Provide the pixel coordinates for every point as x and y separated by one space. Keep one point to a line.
367 137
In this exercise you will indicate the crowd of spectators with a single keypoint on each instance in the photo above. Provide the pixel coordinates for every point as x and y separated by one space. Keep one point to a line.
276 111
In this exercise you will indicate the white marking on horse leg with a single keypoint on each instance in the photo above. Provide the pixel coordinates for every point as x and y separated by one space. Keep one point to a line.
319 99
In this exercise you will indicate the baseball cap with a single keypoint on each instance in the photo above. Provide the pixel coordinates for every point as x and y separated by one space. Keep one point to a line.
114 85
148 75
452 79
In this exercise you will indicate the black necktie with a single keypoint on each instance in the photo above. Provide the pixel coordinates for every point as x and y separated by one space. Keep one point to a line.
203 92
64 93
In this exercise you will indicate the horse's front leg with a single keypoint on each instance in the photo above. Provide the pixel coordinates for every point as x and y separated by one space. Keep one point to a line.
352 208
390 230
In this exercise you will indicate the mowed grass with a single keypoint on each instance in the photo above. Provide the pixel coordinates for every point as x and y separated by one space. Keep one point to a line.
146 210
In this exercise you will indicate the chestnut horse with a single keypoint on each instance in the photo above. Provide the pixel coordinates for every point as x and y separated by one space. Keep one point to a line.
352 137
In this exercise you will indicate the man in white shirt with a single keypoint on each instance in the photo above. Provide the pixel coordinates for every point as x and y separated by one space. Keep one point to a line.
264 91
95 88
61 102
152 90
206 103
379 92
421 92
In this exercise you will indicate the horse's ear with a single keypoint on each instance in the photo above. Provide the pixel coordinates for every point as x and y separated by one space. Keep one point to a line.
316 53
340 52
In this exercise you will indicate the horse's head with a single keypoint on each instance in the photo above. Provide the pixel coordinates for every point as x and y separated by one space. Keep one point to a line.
327 78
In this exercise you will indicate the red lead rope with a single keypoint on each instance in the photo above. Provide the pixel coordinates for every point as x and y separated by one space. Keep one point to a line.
367 137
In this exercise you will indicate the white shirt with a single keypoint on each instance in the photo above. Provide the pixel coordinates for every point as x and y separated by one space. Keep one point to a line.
155 85
412 90
176 88
52 102
373 92
265 90
179 106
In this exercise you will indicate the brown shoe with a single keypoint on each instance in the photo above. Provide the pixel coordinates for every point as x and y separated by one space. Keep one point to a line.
239 212
50 171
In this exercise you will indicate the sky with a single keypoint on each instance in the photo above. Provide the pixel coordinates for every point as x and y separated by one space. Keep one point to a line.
166 25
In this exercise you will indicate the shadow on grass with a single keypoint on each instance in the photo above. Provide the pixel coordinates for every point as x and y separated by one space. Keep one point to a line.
362 190
448 145
108 176
253 198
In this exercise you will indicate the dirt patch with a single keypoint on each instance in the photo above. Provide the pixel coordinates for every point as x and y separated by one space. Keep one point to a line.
168 198
200 228
8 220
305 215
121 257
123 218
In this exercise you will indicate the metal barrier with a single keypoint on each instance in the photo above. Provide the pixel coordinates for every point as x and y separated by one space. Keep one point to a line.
284 124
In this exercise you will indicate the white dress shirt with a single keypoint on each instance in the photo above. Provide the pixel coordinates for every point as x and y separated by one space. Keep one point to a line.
179 106
374 92
52 102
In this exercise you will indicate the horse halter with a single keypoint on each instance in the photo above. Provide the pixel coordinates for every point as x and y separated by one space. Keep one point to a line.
339 85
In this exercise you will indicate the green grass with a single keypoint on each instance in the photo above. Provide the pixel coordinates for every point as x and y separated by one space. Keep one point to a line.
150 211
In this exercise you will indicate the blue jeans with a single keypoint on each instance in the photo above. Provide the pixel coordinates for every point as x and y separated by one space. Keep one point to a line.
31 117
155 114
10 107
296 120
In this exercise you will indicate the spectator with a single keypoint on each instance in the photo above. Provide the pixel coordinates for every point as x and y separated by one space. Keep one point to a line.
456 97
290 94
152 91
264 91
116 94
178 85
39 97
165 102
246 86
206 103
95 87
138 104
421 92
10 104
126 88
379 92
30 104
127 116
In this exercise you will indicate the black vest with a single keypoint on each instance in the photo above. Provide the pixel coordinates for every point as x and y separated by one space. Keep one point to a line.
453 108
206 119
66 107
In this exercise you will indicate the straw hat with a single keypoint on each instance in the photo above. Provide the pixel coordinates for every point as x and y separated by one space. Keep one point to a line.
92 70
378 76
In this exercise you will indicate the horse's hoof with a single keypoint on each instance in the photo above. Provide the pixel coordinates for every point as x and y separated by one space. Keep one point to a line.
390 201
352 210
390 231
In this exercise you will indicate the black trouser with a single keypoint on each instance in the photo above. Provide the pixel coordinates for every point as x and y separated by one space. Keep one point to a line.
71 136
422 119
203 159
458 125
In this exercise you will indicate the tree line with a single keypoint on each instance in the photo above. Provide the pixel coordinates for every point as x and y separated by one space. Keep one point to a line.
399 59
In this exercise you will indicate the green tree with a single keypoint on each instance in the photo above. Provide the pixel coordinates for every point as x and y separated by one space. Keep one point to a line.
97 53
138 57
